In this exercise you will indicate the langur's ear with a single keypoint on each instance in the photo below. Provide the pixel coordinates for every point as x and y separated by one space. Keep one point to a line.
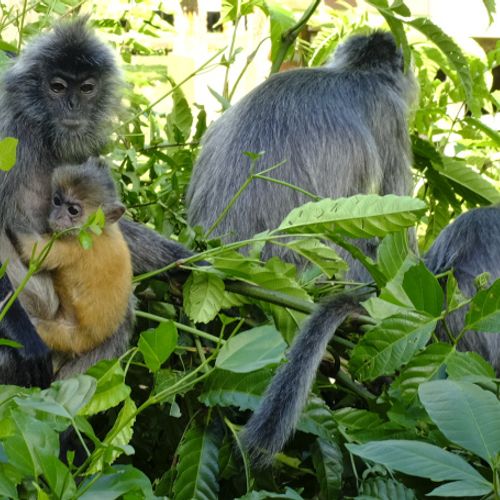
113 211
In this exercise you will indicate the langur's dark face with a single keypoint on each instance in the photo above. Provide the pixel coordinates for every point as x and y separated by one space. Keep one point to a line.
72 99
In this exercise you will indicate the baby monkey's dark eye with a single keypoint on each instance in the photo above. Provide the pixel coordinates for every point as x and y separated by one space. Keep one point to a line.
57 201
74 210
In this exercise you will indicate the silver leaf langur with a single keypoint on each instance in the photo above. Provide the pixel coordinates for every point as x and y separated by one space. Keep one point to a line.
341 130
58 98
470 246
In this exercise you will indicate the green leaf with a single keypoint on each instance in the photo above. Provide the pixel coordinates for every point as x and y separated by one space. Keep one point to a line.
198 467
244 391
325 257
8 147
203 296
157 345
452 52
391 344
328 464
466 414
458 489
317 419
289 494
383 488
424 290
117 481
462 365
359 216
419 459
117 438
9 479
469 179
490 6
425 366
484 311
391 253
180 119
111 388
59 478
251 350
85 240
64 398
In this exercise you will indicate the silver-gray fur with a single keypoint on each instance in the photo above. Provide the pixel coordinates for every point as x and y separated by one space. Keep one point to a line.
470 246
274 421
341 129
57 99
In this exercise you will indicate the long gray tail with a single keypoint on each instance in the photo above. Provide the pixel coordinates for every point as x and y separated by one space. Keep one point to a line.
274 421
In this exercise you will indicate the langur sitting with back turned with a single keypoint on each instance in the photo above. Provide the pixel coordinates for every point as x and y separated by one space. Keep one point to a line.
93 285
341 130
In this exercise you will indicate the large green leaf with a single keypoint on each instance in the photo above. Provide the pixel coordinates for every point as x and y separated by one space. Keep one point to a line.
198 467
425 366
119 481
468 365
466 414
391 253
459 172
111 388
424 290
383 488
484 312
317 419
328 464
359 216
251 350
391 344
420 459
242 390
203 296
289 494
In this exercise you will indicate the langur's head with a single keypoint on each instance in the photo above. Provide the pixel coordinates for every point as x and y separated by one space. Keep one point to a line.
78 191
65 86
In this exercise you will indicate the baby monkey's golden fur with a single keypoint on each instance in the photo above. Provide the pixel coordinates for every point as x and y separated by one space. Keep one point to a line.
94 285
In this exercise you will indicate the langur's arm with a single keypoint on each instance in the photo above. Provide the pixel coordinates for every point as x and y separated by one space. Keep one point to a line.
148 249
30 365
62 335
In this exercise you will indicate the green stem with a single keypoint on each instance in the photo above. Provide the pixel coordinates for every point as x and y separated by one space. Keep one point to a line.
225 88
180 326
287 184
357 389
289 37
21 25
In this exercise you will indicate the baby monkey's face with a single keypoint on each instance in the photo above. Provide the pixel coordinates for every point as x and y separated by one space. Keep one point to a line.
66 213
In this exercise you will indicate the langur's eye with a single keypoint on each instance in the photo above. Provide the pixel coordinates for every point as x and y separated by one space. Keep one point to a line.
58 86
87 87
57 201
74 210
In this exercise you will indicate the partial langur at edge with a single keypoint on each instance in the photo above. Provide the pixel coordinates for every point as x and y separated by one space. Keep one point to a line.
470 246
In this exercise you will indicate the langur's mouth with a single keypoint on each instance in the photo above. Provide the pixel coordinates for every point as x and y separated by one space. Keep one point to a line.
72 123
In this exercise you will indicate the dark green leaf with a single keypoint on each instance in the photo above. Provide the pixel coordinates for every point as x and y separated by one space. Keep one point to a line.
484 312
328 463
198 466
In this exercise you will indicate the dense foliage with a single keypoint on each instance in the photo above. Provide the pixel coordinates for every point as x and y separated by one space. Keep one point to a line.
390 403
